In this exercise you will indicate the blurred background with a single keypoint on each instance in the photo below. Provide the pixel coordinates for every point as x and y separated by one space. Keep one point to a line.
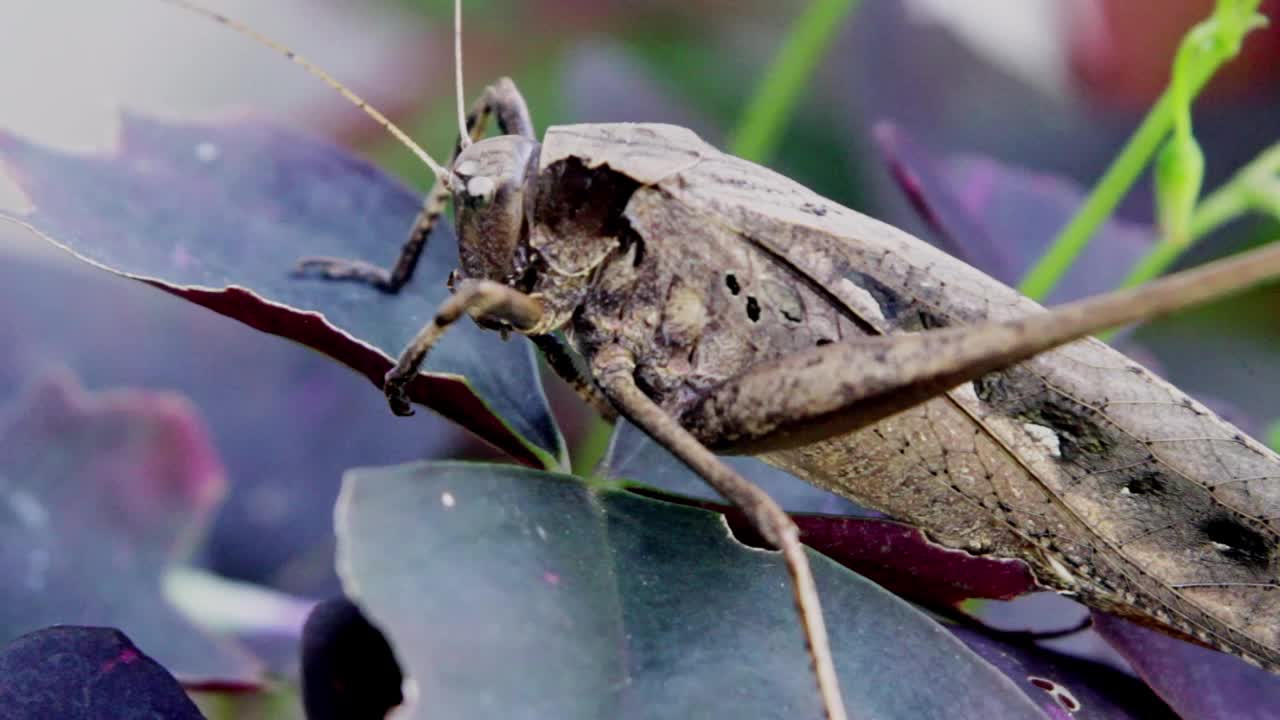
1052 86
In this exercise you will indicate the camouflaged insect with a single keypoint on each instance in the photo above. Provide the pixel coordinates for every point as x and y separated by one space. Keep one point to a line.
1112 484
720 305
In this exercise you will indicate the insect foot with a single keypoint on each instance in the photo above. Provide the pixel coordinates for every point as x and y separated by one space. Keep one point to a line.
484 300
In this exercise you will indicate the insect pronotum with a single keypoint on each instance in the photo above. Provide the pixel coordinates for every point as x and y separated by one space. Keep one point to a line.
721 306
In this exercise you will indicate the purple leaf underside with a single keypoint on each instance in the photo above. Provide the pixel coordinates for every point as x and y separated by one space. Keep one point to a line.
1198 683
86 673
1000 219
220 214
99 494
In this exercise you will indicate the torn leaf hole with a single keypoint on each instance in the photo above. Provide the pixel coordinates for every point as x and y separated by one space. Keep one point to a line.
1060 694
1046 685
731 282
744 532
824 341
753 309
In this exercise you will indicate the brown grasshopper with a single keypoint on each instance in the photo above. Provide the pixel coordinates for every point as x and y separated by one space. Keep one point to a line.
723 307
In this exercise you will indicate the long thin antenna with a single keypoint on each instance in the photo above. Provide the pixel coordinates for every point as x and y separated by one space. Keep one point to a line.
464 137
441 173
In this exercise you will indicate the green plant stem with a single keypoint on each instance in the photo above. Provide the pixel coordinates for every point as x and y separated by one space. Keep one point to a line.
760 129
1104 197
1244 192
1121 175
1217 209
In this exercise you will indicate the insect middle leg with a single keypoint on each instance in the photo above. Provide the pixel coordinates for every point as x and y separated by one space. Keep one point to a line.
501 99
615 369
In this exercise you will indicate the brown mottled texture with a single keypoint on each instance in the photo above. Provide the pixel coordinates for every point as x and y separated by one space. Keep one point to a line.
1113 484
764 316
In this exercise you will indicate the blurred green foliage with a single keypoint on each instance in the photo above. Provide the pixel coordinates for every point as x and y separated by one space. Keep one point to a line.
1179 162
688 59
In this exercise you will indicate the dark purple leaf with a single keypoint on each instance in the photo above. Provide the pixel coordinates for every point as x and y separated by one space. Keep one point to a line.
958 232
86 673
1199 683
286 431
902 559
1056 622
1067 688
348 670
100 495
1000 218
219 214
897 556
520 593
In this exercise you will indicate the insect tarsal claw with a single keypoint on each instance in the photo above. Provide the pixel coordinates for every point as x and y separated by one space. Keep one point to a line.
393 386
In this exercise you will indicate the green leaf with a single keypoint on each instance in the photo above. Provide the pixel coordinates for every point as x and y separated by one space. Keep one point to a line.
513 593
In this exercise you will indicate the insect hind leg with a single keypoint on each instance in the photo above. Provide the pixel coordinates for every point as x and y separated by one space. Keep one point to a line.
501 100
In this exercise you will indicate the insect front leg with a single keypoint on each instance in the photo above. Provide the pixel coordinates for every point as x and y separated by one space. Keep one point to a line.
501 99
615 369
483 300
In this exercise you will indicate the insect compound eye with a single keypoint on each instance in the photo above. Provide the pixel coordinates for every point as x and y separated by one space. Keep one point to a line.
481 189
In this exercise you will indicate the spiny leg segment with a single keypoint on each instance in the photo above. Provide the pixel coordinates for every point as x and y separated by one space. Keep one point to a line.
561 361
